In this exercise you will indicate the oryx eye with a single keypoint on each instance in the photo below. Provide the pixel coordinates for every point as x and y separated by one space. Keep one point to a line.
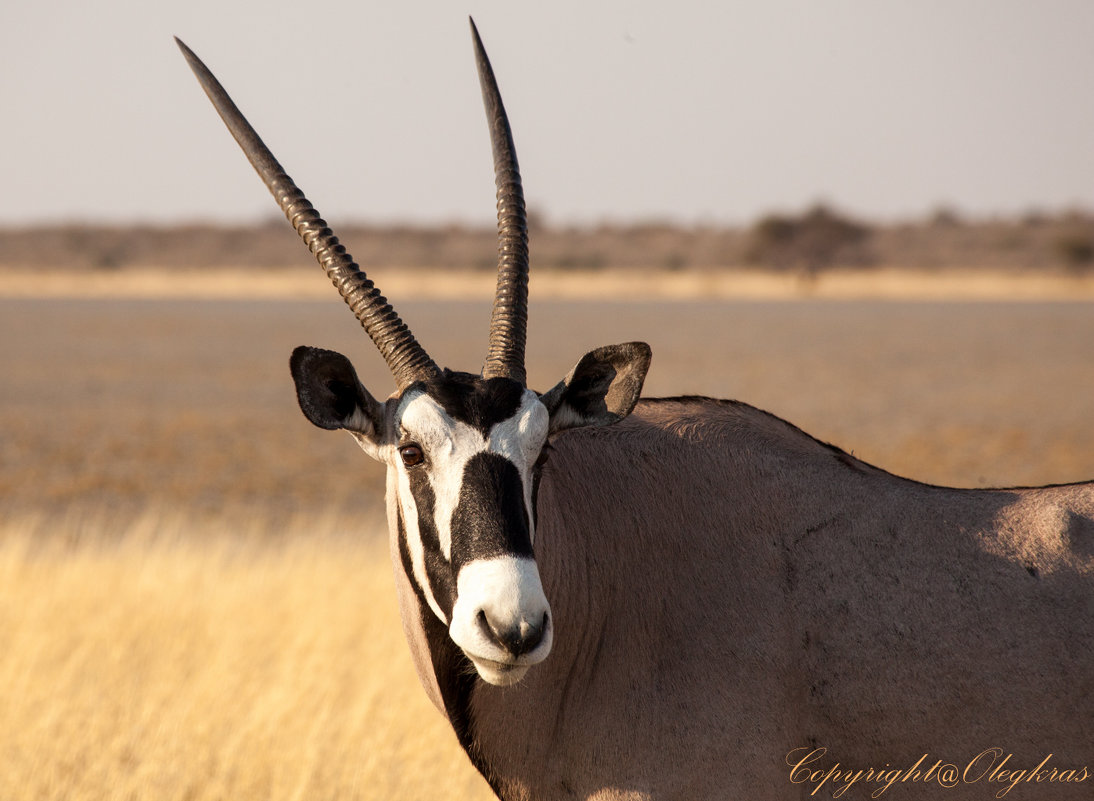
412 455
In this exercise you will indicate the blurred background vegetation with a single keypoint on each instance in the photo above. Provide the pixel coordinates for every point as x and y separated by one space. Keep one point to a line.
809 241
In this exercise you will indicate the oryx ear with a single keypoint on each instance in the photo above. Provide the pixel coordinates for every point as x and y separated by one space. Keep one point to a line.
602 389
330 394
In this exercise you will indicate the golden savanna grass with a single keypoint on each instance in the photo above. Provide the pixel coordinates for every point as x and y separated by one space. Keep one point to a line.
620 284
160 662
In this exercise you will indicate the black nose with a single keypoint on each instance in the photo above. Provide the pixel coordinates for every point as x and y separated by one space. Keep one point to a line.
518 639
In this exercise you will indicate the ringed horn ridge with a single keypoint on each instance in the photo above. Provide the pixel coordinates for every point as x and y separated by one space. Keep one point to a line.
509 320
406 359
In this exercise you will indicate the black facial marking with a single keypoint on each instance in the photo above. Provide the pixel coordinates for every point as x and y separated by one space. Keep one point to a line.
456 677
404 556
491 518
480 403
441 577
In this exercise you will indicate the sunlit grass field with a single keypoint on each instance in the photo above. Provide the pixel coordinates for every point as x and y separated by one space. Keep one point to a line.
168 660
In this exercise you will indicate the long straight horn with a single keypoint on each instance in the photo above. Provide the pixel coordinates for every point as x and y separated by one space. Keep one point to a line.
509 321
406 359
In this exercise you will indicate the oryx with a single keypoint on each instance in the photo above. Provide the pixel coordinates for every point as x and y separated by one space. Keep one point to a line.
689 598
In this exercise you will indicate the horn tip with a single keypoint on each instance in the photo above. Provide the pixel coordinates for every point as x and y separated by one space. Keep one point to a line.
480 50
196 64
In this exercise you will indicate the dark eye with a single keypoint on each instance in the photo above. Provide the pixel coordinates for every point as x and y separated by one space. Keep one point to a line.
412 455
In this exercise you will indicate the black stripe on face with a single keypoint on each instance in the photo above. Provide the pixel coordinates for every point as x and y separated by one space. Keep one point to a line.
441 576
491 518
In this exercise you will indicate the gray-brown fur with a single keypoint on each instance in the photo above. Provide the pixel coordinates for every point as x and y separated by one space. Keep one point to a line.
727 589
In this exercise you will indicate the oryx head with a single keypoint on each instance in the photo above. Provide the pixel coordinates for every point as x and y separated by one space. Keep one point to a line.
461 450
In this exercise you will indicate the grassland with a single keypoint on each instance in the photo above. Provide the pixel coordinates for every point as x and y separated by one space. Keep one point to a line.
573 284
153 664
195 596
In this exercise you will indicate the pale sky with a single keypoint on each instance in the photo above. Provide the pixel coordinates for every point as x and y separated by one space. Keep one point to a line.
686 111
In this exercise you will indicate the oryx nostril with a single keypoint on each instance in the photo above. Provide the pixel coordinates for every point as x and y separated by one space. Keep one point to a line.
518 639
531 634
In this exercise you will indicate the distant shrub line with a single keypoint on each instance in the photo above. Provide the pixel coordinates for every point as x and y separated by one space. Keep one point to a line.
819 238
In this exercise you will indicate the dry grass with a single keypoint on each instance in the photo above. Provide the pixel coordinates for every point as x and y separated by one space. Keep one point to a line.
616 283
167 663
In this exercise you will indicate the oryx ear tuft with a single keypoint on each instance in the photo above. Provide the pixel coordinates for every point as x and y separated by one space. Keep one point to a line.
601 389
330 394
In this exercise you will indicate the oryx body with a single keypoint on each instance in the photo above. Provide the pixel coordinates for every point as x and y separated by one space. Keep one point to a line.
689 598
789 597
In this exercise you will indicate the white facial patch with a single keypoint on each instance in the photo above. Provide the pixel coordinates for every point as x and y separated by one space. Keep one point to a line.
504 593
520 438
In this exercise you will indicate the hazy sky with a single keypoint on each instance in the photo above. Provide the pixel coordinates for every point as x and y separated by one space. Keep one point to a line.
689 111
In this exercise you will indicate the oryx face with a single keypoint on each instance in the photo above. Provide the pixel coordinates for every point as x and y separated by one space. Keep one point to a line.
461 449
462 453
462 460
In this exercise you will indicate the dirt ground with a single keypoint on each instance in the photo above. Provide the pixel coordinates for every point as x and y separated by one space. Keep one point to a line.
188 403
